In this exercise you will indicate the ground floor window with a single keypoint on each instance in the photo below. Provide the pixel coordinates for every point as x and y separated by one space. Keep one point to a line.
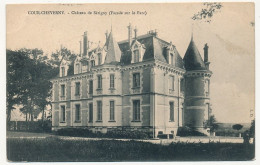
90 112
171 111
99 111
77 113
136 110
63 113
112 110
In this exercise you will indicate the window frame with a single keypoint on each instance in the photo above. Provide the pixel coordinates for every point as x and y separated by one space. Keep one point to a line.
99 78
112 81
91 89
99 111
63 113
171 108
62 71
111 110
63 90
171 82
136 110
77 113
77 89
90 115
136 84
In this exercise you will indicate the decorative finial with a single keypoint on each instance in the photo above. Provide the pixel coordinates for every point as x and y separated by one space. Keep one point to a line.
192 32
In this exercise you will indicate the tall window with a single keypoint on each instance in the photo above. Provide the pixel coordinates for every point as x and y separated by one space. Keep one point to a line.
99 81
77 113
99 110
136 110
207 111
99 58
136 55
77 89
207 87
62 90
112 110
171 82
77 68
136 80
63 113
62 71
90 112
112 81
171 59
171 111
92 63
182 85
90 86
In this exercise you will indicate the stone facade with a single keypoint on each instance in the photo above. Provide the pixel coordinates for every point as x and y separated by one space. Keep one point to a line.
138 84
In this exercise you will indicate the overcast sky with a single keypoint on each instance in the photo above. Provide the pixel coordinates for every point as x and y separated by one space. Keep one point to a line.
230 37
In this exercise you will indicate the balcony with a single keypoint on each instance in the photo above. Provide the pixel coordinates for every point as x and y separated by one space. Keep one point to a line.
99 91
136 90
171 91
62 98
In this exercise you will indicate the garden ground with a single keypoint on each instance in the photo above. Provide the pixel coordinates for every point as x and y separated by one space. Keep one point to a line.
35 147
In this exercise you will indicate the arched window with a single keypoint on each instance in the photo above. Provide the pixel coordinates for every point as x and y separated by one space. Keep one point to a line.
93 63
77 68
99 59
62 71
136 53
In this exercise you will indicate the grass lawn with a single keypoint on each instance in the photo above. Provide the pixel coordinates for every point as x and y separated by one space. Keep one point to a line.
55 149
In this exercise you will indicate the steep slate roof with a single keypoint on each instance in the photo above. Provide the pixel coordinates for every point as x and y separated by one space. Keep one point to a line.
154 50
192 59
113 51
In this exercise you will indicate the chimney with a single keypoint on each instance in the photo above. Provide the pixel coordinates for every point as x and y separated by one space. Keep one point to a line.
106 35
85 43
129 35
80 48
206 56
135 30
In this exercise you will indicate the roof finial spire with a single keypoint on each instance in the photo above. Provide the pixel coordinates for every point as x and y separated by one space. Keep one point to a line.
192 32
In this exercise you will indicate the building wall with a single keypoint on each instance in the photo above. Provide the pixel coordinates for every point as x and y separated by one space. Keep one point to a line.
154 96
196 110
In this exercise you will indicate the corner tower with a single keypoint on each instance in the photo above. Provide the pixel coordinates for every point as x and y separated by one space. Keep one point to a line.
197 94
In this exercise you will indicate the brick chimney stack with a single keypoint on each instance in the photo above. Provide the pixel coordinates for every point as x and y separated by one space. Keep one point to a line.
80 48
206 56
129 35
85 43
135 30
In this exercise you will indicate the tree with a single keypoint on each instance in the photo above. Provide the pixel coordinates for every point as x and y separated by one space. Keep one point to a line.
206 13
17 75
237 127
211 123
28 75
28 79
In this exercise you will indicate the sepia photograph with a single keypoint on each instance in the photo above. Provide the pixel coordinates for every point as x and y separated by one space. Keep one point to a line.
130 82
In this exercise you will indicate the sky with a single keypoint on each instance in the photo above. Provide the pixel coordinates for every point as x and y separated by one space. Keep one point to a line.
230 37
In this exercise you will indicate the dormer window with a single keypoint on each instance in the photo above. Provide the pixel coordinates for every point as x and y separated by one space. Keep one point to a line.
77 68
99 58
62 71
137 52
93 63
136 55
171 59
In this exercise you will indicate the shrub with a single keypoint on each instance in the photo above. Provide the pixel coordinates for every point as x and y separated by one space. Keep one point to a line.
77 132
187 131
128 134
84 132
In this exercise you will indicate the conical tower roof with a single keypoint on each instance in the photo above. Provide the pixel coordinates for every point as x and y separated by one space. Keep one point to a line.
192 58
113 50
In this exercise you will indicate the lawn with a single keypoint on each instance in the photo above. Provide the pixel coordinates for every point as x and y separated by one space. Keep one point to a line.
54 149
